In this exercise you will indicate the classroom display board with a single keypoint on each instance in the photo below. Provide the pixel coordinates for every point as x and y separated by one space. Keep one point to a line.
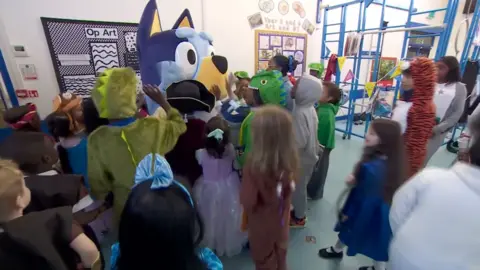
80 50
271 43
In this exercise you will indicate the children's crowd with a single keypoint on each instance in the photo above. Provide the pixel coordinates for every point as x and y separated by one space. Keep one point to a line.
206 176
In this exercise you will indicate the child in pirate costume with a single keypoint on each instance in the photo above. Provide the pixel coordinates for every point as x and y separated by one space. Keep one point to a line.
111 148
417 117
49 239
266 87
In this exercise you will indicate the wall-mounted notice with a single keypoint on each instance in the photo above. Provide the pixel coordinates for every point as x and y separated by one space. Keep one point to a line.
271 43
80 50
28 71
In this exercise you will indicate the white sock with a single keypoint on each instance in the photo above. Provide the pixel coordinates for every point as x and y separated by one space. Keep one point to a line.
380 265
338 247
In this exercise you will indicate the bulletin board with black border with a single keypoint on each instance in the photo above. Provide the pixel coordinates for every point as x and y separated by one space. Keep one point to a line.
270 43
80 50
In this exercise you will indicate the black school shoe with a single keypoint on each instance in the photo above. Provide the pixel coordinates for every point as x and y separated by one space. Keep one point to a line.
367 268
329 253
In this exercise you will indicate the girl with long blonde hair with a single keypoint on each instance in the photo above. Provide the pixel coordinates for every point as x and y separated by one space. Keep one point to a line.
267 186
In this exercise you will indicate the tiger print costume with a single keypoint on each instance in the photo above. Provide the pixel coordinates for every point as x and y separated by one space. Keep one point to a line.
421 115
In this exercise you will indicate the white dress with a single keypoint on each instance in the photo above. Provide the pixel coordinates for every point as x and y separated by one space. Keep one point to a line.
217 197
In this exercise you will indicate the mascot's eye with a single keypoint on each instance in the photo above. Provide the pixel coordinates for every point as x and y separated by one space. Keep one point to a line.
263 82
211 50
186 58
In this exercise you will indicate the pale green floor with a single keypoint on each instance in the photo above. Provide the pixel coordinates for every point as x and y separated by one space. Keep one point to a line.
322 216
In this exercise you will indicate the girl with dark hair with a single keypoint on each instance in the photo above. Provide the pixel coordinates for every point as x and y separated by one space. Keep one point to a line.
433 202
160 226
217 191
285 65
71 147
450 96
363 224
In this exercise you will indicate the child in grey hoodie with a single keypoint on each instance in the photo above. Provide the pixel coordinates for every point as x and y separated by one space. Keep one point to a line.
306 92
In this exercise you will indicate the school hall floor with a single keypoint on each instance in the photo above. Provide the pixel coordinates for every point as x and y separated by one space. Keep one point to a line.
321 215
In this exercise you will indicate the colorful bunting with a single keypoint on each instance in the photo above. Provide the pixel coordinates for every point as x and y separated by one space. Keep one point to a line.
369 86
328 51
397 71
349 76
341 61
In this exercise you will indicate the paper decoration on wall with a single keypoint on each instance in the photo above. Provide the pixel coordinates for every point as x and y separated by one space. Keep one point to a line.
368 2
255 20
283 7
319 11
105 56
80 85
308 26
369 86
80 49
271 43
341 61
266 5
476 39
349 76
298 8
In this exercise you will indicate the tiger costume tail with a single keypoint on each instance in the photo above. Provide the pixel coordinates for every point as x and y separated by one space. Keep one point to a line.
421 115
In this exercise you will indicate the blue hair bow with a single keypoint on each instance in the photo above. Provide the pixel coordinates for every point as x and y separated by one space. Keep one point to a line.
155 167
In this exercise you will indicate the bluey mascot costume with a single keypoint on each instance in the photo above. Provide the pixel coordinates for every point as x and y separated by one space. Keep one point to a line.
183 63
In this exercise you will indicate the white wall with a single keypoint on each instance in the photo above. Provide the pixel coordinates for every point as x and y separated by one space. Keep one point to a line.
225 20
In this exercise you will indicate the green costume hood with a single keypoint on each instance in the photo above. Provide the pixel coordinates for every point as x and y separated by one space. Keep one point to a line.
270 85
115 93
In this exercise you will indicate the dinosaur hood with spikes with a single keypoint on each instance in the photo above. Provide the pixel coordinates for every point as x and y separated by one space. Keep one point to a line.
270 87
421 115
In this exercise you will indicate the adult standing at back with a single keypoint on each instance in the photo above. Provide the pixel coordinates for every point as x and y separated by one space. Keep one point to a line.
433 217
449 99
285 65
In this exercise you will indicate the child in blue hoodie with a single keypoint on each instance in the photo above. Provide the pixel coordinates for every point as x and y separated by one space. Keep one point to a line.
327 109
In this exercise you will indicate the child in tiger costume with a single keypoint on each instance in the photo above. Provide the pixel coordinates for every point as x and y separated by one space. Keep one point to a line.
419 112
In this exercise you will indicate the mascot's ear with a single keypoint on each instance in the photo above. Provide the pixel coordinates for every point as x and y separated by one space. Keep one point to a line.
156 25
185 20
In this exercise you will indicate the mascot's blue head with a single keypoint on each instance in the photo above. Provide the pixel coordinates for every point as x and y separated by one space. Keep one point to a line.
170 57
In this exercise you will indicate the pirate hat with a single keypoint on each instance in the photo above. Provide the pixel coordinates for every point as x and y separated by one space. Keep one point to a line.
190 96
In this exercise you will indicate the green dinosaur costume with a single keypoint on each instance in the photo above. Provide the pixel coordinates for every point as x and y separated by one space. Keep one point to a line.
271 90
114 150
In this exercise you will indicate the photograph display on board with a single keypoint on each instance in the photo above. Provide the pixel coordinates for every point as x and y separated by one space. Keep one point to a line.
271 43
80 50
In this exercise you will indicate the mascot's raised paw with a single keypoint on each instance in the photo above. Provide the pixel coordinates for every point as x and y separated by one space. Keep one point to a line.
181 60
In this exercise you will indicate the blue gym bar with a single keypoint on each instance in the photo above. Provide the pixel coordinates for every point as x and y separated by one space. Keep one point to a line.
428 11
354 86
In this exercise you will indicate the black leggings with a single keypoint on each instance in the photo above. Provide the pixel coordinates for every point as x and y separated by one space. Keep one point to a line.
319 176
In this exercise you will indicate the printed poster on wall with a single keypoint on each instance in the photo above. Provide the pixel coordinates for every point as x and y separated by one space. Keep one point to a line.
270 43
81 50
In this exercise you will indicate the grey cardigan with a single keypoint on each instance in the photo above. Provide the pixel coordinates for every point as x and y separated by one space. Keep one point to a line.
449 120
454 111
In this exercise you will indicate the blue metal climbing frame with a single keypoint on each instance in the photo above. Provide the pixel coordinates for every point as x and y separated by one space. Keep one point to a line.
355 87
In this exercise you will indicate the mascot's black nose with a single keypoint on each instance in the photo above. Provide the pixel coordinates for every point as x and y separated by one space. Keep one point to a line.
221 63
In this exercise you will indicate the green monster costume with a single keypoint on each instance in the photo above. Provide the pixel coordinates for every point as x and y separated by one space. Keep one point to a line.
115 150
268 87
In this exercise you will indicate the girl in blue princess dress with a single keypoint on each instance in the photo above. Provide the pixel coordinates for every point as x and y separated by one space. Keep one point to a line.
217 191
363 224
160 227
